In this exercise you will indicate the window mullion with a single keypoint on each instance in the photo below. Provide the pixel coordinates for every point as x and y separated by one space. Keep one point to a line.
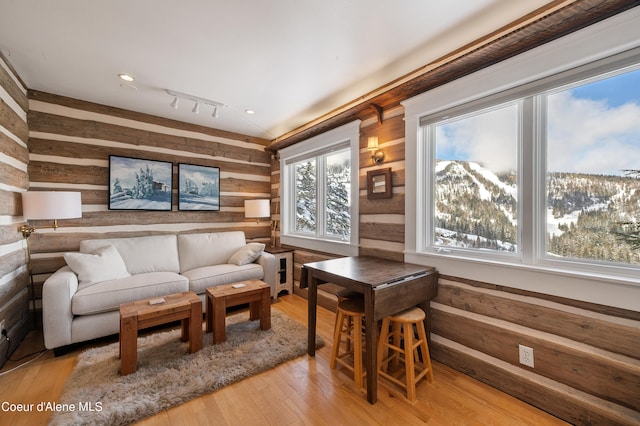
321 182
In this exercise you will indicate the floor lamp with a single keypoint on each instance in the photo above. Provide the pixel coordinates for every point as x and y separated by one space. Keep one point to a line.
46 205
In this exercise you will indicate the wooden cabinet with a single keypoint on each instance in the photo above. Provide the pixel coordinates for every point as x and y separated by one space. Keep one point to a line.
284 269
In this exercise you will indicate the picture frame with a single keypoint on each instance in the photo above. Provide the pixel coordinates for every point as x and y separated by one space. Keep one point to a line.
379 183
140 184
198 188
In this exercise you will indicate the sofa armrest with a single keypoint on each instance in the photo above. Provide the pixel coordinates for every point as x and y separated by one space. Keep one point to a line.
269 265
57 292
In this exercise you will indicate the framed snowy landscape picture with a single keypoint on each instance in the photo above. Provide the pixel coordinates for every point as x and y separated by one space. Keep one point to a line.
198 187
138 184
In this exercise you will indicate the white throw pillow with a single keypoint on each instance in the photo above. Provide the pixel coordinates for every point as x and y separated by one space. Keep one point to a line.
102 264
246 254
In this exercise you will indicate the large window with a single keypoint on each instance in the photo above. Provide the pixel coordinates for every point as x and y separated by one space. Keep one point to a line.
475 194
320 192
592 168
322 195
577 134
576 207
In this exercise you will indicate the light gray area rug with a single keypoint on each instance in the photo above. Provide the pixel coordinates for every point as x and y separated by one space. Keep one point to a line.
168 375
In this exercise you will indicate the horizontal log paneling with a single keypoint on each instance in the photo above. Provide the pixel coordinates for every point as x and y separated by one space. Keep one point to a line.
10 203
13 179
12 122
382 231
96 175
616 335
12 262
385 254
576 407
70 150
143 118
584 351
13 149
393 205
130 218
48 123
19 318
598 372
70 241
7 82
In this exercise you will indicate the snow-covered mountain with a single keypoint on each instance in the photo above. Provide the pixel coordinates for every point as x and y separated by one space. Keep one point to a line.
476 208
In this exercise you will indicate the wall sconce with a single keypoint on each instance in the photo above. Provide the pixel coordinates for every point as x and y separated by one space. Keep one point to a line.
46 205
257 209
49 205
377 157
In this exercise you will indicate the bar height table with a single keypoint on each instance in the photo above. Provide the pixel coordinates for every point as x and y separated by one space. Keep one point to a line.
388 286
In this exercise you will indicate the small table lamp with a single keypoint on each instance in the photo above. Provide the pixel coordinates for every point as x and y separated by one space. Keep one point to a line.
47 205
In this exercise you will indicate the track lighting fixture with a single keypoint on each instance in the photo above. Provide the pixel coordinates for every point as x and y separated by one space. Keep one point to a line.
197 102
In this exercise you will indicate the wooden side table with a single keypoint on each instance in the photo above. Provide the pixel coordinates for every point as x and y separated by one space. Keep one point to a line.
284 268
219 298
135 316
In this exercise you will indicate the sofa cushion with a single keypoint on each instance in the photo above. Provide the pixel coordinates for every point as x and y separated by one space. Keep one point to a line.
102 264
246 254
158 253
210 276
207 249
108 295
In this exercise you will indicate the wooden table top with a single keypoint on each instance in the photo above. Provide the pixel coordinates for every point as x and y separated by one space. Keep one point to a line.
172 302
229 289
373 271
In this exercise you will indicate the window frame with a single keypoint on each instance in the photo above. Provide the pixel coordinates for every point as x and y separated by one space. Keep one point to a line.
428 148
590 51
318 147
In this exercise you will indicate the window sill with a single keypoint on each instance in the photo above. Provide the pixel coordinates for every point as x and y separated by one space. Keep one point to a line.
611 290
326 246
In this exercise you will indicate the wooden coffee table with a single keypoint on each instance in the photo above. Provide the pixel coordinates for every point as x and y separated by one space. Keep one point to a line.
254 292
135 316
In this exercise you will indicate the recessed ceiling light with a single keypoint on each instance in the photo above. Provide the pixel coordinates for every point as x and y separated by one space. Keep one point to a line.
249 111
126 77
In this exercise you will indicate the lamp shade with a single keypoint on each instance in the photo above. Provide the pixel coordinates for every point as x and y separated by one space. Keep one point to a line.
257 208
372 143
45 205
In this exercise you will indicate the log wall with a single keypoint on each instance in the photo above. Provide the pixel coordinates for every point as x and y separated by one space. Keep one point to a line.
69 146
14 159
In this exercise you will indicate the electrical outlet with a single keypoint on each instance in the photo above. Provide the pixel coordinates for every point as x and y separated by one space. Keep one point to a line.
526 355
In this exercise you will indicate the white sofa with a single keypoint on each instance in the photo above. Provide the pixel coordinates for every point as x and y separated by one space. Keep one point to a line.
79 305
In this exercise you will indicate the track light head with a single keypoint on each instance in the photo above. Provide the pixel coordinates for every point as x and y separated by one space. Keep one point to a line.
174 103
215 113
196 108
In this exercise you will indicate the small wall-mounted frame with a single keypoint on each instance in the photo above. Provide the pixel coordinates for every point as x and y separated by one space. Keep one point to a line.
379 183
198 187
139 184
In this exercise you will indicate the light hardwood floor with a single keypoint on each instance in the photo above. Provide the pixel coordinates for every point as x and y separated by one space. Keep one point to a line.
304 391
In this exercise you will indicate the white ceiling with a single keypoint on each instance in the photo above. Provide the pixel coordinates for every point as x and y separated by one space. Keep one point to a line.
289 60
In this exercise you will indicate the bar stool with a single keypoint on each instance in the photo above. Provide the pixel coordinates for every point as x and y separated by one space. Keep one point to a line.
349 329
404 347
